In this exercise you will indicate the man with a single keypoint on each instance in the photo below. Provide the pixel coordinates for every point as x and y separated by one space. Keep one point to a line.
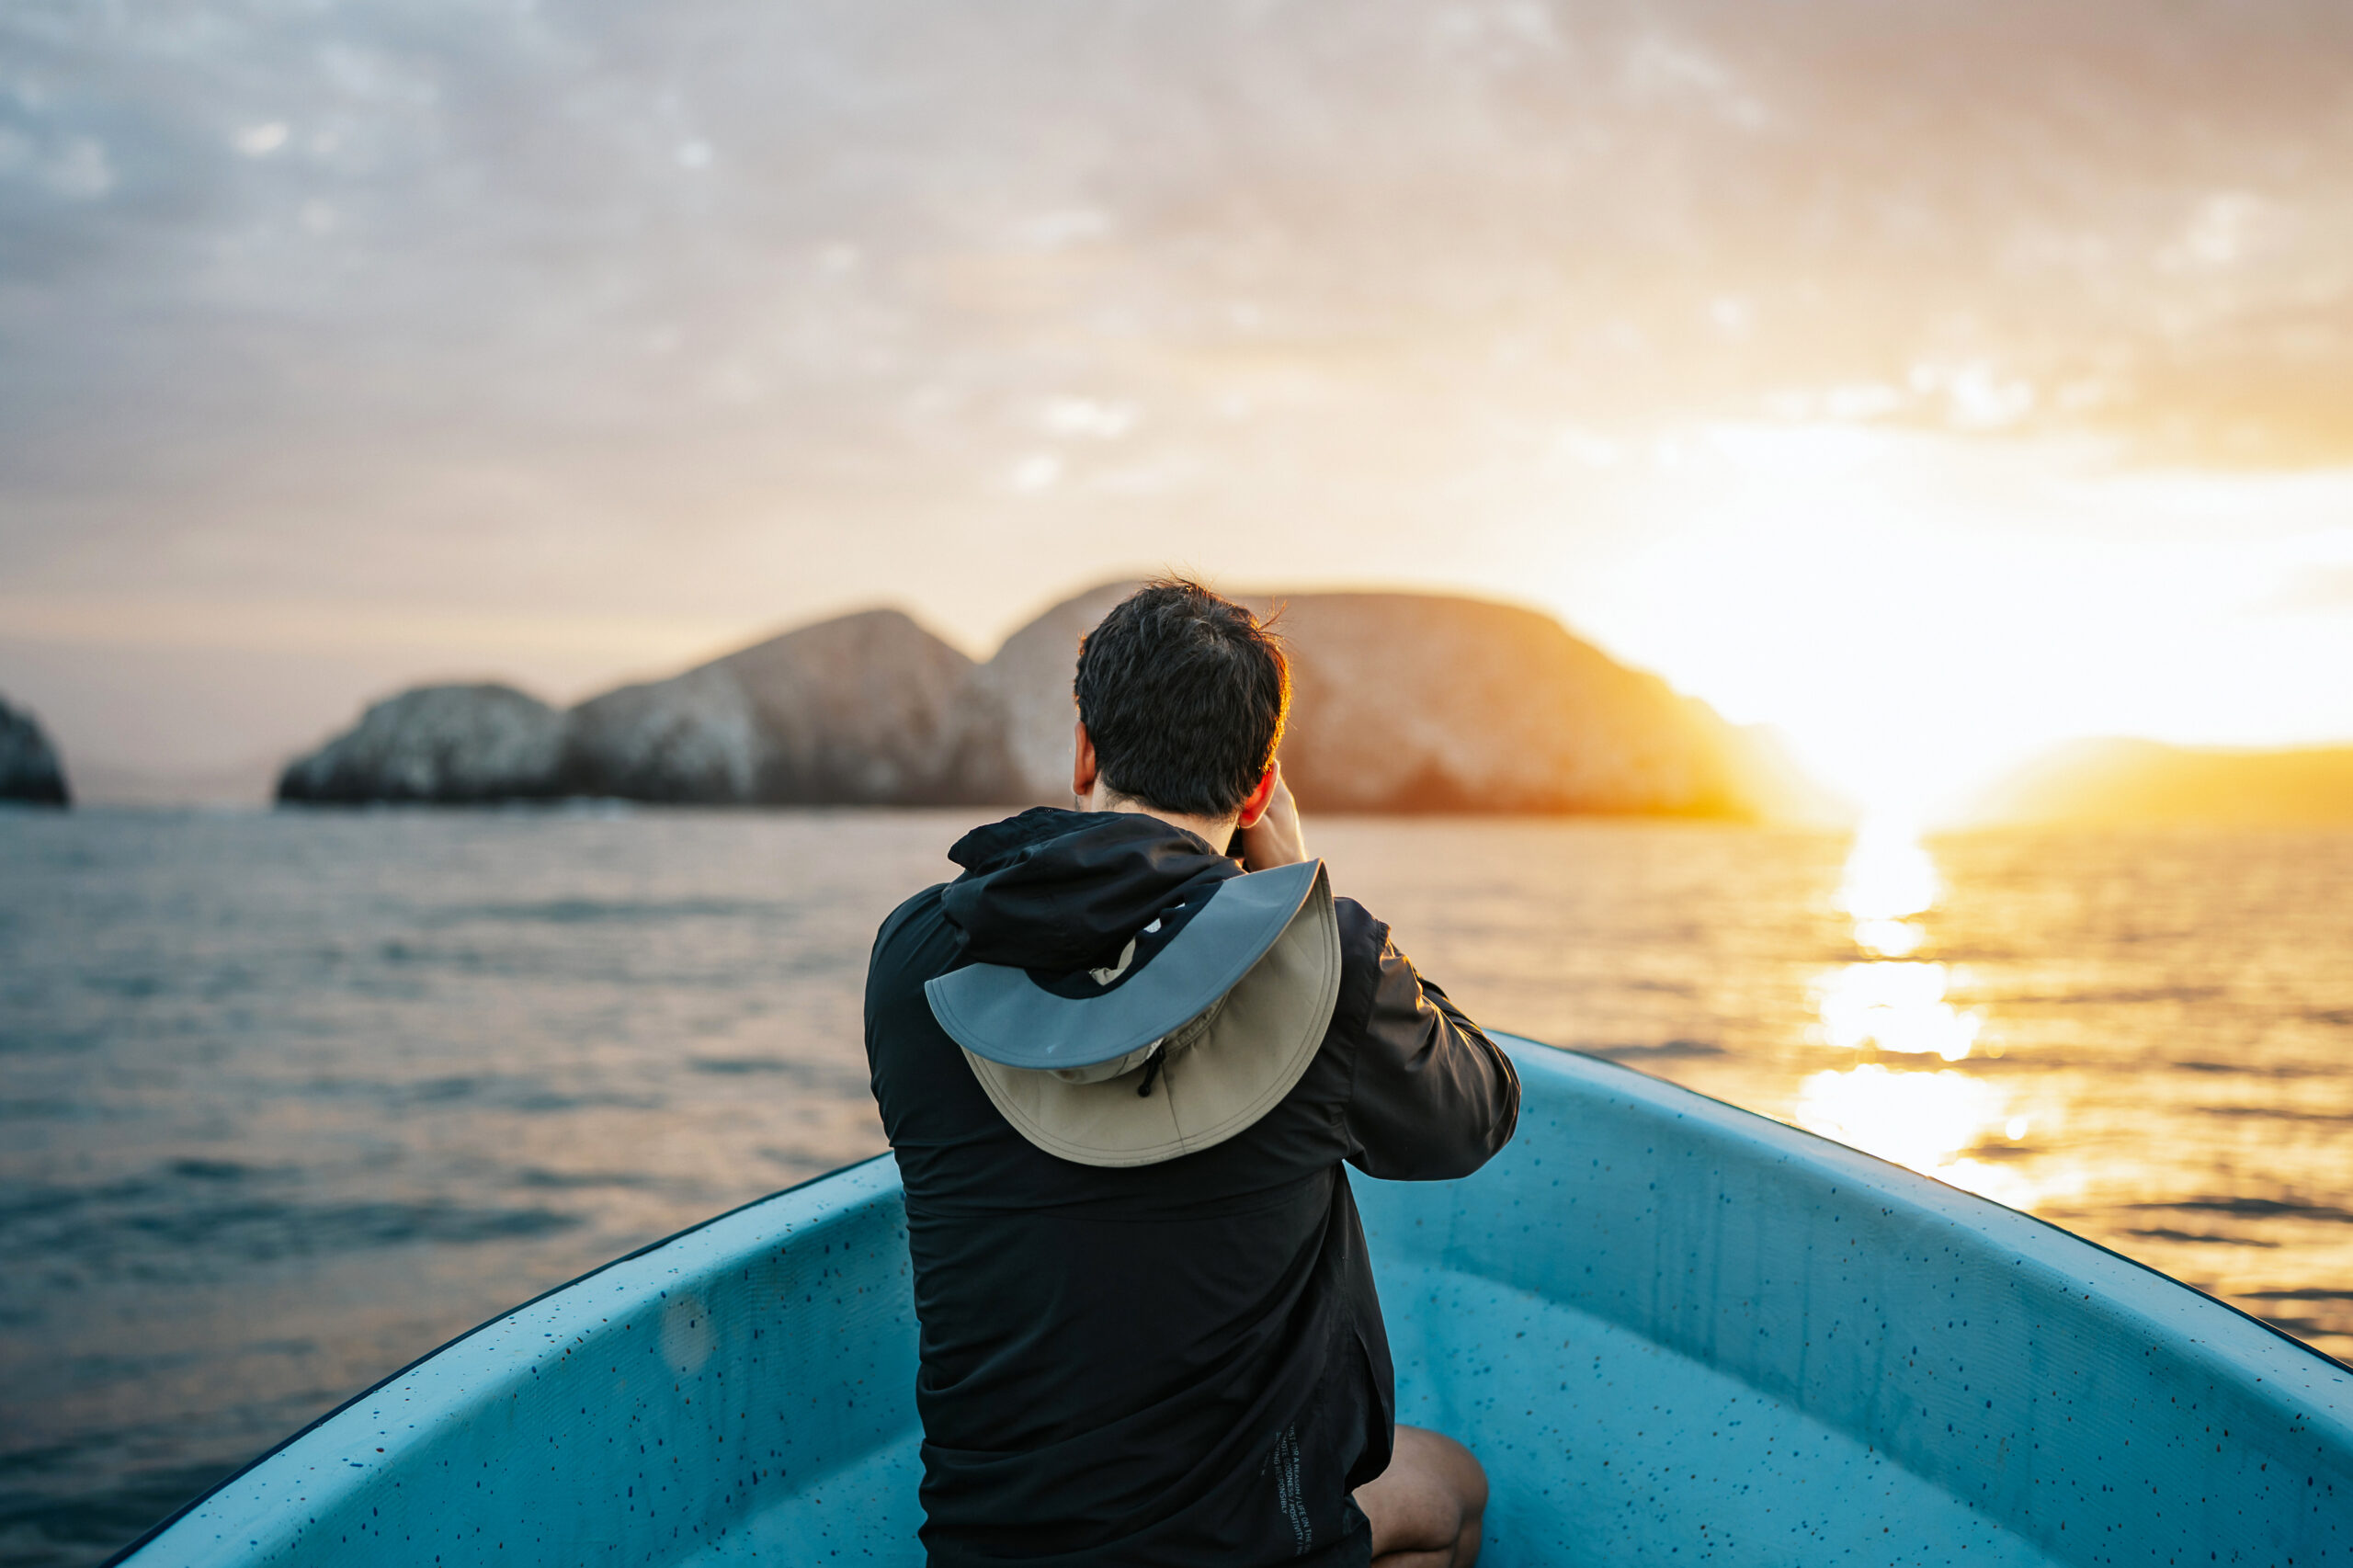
1119 1072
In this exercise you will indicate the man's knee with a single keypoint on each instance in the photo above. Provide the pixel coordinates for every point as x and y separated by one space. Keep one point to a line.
1426 1508
1460 1468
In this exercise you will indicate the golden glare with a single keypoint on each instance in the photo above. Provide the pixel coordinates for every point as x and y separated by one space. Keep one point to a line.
1922 1120
1886 938
1884 1004
1927 1120
1898 1007
1834 578
1888 875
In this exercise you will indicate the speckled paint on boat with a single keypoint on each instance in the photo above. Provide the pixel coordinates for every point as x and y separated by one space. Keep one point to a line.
1674 1331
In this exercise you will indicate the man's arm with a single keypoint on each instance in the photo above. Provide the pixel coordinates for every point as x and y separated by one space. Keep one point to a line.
1432 1098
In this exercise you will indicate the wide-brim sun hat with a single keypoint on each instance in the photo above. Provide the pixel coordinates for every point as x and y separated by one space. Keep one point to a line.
1199 1029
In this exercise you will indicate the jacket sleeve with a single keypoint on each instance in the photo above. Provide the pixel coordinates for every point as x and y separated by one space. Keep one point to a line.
1432 1096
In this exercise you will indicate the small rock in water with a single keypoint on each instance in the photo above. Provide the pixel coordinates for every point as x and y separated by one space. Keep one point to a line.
30 771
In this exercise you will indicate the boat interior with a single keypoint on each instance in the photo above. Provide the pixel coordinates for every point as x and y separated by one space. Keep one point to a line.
1672 1330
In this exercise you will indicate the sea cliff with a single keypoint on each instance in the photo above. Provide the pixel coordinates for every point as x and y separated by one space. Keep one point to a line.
1403 702
30 771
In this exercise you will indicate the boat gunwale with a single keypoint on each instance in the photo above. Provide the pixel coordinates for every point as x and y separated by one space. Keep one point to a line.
2331 1363
380 1384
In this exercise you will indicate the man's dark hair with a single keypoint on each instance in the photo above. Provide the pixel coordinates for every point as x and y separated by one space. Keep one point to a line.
1184 695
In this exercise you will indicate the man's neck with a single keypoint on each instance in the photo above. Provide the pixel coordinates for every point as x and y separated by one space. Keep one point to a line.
1216 832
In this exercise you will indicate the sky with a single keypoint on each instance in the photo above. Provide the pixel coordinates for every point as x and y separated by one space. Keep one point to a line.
1933 379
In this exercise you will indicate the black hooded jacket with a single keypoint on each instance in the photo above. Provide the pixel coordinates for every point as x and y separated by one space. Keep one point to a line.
1180 1363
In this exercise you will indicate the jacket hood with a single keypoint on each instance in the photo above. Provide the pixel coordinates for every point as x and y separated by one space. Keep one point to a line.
1057 891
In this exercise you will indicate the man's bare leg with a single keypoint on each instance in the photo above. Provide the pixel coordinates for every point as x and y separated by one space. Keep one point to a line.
1425 1506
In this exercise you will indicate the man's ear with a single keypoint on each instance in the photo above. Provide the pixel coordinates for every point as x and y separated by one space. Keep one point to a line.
1083 766
1255 804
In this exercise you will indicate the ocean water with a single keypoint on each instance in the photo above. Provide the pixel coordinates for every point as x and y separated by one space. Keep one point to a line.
288 1099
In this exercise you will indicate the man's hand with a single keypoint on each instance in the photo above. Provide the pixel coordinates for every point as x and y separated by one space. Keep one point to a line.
1276 838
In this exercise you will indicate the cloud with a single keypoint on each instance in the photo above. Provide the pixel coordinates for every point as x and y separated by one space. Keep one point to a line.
483 299
2315 590
69 166
1674 210
260 141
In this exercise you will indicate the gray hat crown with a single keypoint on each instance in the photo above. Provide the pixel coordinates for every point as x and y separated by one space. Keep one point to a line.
998 1012
1181 1053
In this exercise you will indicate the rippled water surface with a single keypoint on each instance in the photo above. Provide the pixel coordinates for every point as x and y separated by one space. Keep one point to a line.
286 1100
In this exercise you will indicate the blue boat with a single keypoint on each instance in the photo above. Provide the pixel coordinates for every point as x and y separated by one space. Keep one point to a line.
1674 1331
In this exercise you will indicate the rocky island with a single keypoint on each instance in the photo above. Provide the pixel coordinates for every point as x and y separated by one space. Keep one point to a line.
443 744
1405 702
865 710
30 771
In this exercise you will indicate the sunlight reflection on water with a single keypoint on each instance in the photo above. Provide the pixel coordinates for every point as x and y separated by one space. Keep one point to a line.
1894 1006
1923 1120
2165 1017
1887 938
1889 876
290 1099
1927 1120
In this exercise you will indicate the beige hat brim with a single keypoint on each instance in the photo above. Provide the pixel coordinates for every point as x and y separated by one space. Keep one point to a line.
1257 1045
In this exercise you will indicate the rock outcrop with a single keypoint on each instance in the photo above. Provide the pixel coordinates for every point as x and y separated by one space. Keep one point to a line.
1417 702
30 771
867 709
1405 702
451 745
1024 694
